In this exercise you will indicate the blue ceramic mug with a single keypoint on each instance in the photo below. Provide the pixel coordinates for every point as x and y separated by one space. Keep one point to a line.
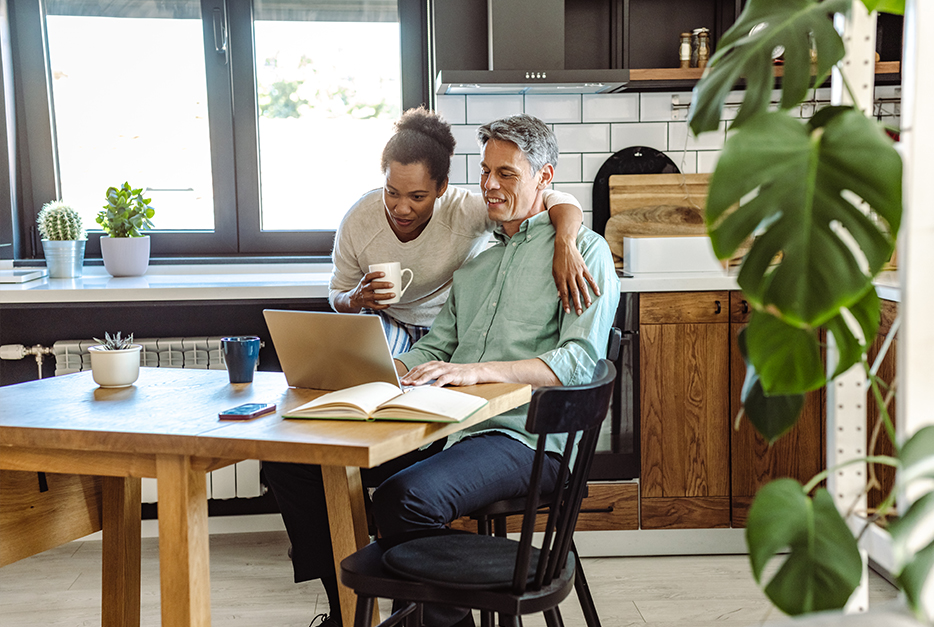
241 354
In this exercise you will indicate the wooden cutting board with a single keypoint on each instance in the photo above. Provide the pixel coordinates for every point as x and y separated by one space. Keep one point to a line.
655 205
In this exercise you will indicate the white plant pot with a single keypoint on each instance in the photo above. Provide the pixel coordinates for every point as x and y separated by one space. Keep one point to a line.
125 256
115 369
64 258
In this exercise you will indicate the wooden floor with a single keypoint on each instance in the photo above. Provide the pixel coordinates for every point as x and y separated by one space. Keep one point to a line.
251 585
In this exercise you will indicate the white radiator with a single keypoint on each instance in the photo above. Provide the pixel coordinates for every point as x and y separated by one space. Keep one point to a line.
237 481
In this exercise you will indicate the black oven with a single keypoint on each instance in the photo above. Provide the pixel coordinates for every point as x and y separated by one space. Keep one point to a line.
617 455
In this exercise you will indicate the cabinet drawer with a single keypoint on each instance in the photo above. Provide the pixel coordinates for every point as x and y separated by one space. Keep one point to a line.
683 307
608 506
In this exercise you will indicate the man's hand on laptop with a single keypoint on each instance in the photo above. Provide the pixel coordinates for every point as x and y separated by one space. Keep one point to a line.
439 373
532 371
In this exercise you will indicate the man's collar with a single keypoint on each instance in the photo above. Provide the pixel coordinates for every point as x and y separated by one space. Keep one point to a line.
536 222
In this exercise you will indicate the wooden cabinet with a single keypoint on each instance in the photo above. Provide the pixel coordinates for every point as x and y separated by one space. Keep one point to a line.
799 454
685 414
697 471
885 475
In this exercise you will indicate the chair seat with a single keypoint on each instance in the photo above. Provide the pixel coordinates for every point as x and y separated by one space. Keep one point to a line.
366 573
466 561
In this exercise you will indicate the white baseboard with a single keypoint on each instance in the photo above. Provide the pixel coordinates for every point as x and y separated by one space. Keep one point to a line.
218 525
589 543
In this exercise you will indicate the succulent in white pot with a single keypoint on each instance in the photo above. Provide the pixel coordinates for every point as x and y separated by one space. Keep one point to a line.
63 239
126 215
115 361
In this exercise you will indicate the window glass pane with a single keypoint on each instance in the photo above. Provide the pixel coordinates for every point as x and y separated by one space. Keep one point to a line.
133 112
329 92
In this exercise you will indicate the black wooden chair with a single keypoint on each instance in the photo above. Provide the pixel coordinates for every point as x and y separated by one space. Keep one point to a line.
491 520
490 573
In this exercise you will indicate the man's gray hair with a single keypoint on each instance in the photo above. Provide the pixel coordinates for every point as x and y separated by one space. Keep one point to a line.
533 137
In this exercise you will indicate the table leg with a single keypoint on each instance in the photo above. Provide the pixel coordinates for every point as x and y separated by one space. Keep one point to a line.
184 571
121 552
343 491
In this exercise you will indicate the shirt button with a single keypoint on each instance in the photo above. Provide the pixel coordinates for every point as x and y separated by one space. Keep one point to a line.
484 334
494 304
515 244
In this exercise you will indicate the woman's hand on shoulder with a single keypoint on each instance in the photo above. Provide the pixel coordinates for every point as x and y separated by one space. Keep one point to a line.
572 277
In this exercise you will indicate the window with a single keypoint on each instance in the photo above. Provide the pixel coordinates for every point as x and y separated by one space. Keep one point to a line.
253 126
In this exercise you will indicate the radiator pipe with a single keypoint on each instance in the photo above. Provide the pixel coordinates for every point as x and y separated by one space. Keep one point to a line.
18 351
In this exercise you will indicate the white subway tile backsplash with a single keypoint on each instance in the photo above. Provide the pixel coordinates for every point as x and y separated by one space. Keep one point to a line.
656 107
554 108
583 137
483 109
591 164
651 134
453 109
568 169
473 170
466 138
458 174
611 108
685 160
707 161
680 137
588 219
582 191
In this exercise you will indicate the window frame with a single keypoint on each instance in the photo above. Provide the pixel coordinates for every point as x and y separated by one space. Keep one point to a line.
233 113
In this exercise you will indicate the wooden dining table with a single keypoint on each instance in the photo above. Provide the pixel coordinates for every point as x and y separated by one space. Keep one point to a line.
166 426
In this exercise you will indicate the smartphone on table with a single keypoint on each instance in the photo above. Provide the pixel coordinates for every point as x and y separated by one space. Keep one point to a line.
247 411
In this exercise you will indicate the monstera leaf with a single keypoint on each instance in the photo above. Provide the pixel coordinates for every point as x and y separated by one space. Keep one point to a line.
771 416
805 181
886 6
796 25
913 533
786 358
823 565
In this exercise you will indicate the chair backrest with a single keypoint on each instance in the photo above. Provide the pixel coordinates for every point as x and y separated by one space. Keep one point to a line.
612 347
573 410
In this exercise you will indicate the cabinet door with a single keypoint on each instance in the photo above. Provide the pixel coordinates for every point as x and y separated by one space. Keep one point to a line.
885 475
684 373
798 454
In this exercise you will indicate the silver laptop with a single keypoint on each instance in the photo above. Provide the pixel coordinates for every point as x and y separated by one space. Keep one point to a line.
330 351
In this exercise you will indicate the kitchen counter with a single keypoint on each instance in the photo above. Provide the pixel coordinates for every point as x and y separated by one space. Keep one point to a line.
232 282
178 283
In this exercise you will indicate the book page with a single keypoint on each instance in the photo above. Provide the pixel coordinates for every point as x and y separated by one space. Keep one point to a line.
365 398
432 403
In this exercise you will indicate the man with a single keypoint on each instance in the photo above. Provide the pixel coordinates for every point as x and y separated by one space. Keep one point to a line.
502 322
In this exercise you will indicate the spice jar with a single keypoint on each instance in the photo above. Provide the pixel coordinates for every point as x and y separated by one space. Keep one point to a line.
684 50
703 48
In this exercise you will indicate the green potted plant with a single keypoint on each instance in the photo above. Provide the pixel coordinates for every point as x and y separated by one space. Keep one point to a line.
63 239
115 361
126 215
821 200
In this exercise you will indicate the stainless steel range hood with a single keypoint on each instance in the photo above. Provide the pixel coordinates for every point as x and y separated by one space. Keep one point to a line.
526 56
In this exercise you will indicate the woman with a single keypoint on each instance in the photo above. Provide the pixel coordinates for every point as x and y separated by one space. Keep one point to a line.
432 228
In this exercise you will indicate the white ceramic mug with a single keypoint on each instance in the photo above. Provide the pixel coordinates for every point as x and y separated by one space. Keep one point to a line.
394 272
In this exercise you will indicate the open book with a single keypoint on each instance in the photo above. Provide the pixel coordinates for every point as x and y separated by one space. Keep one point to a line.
384 401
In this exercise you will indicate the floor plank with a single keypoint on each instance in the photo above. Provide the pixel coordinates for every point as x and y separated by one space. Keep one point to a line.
251 585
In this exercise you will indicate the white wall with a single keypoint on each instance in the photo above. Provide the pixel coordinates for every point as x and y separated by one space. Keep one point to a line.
590 128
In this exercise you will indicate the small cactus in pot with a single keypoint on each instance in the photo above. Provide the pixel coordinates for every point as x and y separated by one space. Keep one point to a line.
58 221
63 239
